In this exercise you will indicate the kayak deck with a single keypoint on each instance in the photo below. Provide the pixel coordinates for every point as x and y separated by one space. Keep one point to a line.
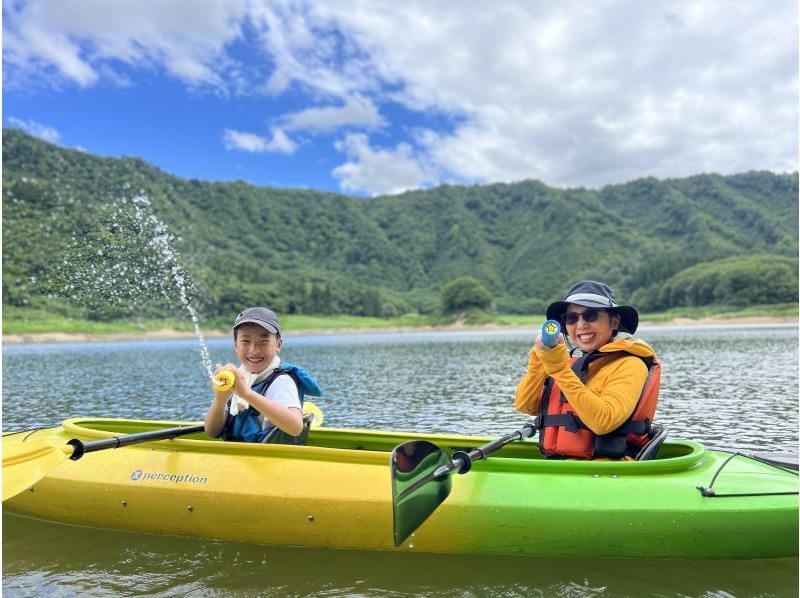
335 492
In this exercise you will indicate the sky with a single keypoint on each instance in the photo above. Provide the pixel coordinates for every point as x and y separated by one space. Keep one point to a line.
376 97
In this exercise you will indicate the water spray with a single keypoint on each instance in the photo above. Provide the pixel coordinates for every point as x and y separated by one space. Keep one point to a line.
127 261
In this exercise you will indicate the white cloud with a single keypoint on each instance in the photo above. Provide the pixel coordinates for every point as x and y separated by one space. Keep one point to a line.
76 40
250 142
378 171
589 93
36 129
572 93
356 111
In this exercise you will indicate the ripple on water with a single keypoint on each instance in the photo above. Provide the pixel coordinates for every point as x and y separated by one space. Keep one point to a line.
460 382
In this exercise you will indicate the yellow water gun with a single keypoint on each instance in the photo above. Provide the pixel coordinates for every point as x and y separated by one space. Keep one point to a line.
223 380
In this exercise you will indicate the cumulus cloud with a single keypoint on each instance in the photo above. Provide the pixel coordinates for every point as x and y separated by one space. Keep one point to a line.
251 142
75 40
36 129
379 171
572 93
356 111
590 93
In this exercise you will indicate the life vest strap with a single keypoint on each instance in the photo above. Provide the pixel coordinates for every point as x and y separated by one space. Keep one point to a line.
573 423
635 426
569 421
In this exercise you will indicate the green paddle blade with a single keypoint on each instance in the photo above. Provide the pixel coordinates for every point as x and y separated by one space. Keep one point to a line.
26 463
416 492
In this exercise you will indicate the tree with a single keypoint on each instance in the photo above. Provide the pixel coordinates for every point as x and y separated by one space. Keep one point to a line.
69 215
465 293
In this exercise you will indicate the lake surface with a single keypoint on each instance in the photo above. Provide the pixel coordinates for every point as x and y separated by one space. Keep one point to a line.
728 387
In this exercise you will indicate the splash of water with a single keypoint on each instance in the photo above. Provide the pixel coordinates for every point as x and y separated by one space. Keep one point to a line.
127 262
162 241
179 279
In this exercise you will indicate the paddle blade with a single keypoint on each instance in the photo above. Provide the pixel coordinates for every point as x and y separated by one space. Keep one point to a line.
309 407
26 463
415 491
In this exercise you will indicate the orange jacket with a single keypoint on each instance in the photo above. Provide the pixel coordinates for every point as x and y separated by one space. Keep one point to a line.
595 416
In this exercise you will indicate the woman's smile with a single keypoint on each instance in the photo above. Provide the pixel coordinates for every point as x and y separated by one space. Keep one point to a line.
590 336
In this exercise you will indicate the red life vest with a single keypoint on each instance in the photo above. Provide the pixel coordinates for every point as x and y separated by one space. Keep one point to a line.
563 434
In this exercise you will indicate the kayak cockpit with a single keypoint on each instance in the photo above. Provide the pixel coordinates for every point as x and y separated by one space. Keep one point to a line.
676 455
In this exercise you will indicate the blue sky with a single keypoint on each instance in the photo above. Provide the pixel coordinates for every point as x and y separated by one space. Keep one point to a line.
378 97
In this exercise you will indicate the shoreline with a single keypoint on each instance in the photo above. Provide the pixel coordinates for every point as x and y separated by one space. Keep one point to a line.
169 334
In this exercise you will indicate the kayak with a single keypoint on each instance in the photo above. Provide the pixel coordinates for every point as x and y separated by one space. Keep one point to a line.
336 491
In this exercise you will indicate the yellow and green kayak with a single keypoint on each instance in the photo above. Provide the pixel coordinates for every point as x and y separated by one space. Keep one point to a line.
339 491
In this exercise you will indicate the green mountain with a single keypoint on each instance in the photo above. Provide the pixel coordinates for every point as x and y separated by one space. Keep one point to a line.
111 236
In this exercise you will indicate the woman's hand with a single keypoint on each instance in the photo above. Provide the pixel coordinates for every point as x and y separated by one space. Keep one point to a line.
539 345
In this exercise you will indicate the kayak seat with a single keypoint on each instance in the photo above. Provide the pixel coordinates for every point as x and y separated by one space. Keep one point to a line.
278 436
650 450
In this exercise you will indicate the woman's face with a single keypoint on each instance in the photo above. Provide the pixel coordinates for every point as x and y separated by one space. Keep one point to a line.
590 328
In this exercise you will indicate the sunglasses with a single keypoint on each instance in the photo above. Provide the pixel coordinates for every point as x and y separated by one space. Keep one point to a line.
588 315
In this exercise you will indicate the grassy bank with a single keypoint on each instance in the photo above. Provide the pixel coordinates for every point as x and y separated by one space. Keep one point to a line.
779 310
25 321
18 321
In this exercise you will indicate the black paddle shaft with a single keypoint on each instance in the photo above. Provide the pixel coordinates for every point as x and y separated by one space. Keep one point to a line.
81 448
462 460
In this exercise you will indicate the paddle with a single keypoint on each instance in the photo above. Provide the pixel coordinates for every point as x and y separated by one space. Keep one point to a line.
421 477
26 463
309 407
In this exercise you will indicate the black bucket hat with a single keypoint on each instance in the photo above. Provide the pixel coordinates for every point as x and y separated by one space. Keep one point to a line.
591 293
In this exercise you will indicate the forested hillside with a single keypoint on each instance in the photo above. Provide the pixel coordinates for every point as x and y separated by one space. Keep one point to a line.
75 236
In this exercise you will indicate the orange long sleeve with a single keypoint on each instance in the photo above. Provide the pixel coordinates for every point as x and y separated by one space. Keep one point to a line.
526 399
604 402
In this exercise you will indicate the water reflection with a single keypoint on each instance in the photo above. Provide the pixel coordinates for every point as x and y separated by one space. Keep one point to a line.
128 564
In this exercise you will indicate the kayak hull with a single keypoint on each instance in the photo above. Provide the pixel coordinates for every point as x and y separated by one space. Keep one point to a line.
336 493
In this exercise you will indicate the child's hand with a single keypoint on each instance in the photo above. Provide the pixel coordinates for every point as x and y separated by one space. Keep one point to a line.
224 381
239 385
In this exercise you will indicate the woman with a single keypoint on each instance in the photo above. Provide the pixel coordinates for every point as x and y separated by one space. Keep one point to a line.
602 404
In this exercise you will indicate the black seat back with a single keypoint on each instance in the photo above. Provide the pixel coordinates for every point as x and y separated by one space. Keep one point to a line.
650 450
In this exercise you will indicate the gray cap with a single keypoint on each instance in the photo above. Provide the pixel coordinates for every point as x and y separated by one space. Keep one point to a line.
266 318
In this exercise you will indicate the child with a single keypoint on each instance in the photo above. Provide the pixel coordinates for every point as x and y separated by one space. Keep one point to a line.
266 394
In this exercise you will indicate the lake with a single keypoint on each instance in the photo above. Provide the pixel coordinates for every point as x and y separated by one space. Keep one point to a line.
726 386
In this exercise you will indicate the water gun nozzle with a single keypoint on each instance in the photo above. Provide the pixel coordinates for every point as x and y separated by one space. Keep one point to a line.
223 381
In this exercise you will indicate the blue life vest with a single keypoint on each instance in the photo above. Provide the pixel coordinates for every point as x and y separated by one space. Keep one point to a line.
245 426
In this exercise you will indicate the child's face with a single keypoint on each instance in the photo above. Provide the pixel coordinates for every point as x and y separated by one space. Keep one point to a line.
255 347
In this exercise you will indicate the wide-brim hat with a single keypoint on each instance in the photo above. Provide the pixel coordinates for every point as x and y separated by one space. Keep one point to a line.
591 293
266 318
